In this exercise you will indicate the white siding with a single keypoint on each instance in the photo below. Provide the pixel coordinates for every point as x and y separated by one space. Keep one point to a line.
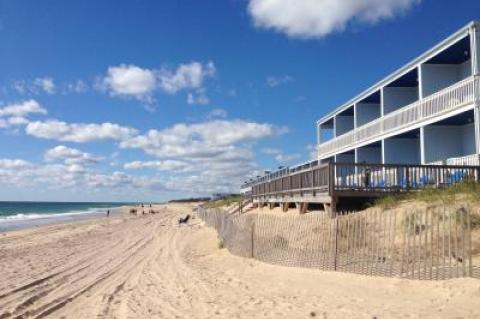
402 150
436 77
343 124
468 139
366 112
466 69
443 142
345 158
369 155
397 97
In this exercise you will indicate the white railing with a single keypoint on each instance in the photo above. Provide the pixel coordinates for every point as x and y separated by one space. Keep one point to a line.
468 160
446 100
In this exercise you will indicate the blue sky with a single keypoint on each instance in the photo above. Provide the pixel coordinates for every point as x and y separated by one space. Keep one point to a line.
152 100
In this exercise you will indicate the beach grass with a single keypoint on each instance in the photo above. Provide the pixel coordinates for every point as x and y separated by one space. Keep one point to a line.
227 201
466 190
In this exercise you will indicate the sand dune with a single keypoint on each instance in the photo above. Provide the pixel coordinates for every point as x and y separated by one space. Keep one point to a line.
148 267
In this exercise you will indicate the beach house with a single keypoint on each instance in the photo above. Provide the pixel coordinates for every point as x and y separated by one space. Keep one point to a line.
423 113
417 127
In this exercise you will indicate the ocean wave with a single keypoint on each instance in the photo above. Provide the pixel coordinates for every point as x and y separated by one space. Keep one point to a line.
30 216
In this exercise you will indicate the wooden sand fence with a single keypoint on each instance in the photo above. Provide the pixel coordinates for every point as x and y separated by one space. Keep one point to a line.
430 243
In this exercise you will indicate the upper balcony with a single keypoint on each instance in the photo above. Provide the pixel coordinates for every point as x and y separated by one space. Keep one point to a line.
440 83
445 102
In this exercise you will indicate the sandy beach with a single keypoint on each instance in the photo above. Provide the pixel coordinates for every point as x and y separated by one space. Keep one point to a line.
149 267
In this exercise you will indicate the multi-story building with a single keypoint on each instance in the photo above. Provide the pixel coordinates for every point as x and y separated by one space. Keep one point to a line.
425 112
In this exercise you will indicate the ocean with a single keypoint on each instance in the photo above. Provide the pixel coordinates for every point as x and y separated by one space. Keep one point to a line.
17 215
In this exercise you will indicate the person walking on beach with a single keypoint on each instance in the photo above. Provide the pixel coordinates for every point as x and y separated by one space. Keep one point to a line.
108 213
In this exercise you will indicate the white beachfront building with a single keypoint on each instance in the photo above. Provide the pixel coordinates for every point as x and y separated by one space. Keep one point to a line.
426 112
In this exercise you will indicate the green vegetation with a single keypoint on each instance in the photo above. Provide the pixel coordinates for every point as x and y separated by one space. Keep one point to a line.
190 200
466 190
224 202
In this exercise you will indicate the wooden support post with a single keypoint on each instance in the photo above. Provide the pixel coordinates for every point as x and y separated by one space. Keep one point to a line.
285 207
333 207
335 255
303 208
407 179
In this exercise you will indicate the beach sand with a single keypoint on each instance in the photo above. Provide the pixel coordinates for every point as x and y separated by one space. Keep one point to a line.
149 267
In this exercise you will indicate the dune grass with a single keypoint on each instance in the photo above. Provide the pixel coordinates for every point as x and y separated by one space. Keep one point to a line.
230 200
467 190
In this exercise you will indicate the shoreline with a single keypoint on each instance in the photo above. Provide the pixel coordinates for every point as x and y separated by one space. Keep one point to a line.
13 224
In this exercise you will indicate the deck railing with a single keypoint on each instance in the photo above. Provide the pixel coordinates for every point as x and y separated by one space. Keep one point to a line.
312 179
361 179
454 97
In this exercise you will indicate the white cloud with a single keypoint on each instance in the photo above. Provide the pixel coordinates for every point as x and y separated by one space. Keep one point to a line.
16 114
46 84
17 120
129 80
21 173
318 18
141 83
78 86
22 109
217 113
6 163
218 153
273 81
70 155
186 77
279 155
215 155
283 158
271 151
36 86
78 132
166 165
201 139
198 97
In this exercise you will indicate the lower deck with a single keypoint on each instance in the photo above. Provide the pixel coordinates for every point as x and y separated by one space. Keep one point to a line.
333 182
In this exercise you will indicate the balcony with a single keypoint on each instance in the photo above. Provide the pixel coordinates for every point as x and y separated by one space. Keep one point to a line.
448 100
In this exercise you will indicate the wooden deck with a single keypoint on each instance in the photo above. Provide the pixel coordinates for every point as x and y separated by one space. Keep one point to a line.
329 183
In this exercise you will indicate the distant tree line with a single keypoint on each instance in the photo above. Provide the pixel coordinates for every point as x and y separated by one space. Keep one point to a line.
190 200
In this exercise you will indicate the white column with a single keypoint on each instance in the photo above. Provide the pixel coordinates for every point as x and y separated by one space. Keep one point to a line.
382 110
477 126
475 52
420 82
475 48
422 145
356 160
355 116
334 126
383 151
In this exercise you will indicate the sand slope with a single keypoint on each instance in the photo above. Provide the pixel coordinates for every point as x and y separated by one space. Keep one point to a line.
148 267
